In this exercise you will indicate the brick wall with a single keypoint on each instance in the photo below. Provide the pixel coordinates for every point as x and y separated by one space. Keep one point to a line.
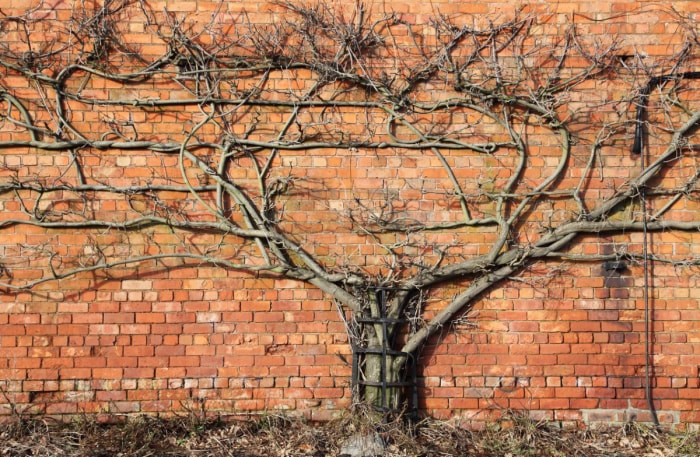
564 340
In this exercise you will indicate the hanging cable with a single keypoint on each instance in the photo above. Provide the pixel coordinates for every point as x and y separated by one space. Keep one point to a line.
648 343
638 148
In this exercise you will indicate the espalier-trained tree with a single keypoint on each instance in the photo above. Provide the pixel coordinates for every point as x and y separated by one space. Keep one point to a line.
343 147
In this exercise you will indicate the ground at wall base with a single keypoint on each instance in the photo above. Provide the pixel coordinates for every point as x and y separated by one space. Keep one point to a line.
277 435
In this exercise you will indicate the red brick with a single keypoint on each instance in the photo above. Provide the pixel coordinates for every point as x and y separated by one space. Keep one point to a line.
208 327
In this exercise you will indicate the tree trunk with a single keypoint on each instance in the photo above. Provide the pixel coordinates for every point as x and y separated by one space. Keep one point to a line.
380 368
388 395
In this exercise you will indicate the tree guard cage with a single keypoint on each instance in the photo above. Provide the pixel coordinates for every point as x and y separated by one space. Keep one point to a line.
407 379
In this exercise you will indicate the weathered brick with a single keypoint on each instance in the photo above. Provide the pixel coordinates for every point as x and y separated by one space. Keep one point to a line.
576 341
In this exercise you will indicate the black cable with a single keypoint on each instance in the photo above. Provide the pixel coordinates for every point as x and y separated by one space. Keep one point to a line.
644 98
648 343
638 148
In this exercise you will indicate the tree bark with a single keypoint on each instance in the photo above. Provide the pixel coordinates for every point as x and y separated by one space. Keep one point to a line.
380 378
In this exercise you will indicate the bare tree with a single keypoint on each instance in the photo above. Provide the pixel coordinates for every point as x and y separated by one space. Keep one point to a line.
405 141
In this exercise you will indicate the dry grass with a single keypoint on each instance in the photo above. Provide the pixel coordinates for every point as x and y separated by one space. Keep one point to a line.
275 435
